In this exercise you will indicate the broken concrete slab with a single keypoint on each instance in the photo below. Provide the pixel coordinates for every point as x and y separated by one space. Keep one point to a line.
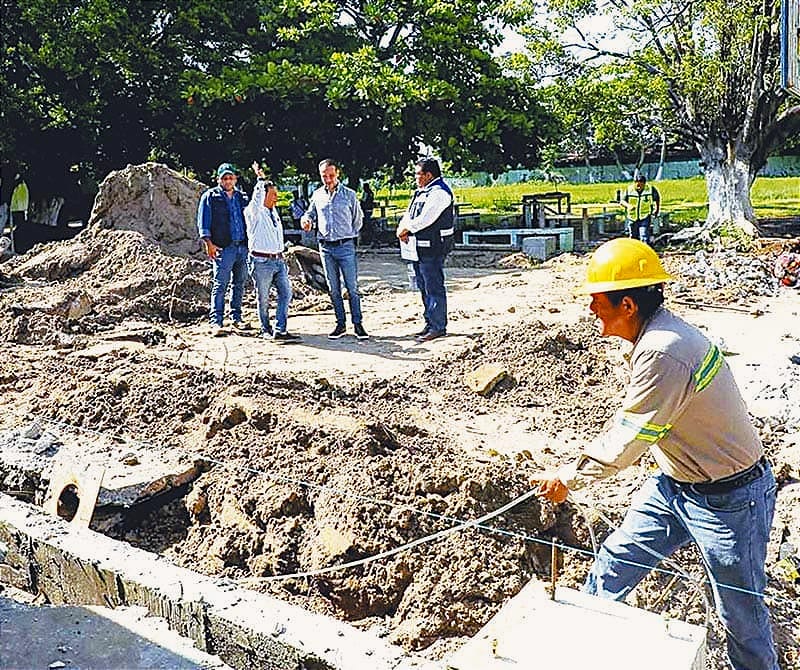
133 474
245 629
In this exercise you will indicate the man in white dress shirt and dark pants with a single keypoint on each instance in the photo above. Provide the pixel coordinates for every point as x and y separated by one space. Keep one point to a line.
266 262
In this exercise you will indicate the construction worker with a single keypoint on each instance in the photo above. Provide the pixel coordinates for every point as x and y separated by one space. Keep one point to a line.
642 203
20 201
713 486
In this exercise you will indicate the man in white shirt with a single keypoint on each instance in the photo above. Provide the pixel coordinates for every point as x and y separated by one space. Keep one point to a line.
266 262
429 219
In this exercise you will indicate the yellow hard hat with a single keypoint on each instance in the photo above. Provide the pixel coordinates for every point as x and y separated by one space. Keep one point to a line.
623 263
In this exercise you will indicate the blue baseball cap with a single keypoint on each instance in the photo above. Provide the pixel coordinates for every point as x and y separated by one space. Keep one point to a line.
226 168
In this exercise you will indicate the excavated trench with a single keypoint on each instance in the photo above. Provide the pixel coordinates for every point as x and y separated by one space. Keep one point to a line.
295 473
301 475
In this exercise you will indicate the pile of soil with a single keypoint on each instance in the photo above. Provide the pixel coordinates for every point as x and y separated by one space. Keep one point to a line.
153 200
298 484
94 281
137 259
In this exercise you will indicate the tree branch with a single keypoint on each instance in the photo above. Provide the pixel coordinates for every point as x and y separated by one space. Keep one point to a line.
786 125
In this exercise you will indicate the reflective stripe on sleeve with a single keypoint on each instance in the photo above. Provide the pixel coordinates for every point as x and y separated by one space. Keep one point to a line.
708 368
648 432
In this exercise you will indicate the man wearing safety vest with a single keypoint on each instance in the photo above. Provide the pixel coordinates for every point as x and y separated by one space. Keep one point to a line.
713 487
642 203
429 221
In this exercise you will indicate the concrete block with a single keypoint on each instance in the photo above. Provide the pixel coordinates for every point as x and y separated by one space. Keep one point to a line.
514 237
540 246
565 237
577 630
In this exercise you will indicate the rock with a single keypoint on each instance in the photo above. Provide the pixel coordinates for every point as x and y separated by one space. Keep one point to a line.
485 378
334 542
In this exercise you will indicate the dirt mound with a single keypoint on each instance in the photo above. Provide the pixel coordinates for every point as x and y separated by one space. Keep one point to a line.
560 377
94 281
153 200
298 484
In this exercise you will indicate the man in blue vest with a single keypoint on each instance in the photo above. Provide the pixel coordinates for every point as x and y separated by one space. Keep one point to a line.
429 221
221 224
642 202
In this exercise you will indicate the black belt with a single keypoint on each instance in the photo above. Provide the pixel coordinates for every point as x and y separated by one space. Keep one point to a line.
733 482
264 254
336 243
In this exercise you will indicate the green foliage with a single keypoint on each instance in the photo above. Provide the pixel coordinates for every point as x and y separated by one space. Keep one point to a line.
97 84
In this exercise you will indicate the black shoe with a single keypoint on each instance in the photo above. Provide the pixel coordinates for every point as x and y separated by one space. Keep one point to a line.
361 334
266 334
337 332
431 335
424 331
286 338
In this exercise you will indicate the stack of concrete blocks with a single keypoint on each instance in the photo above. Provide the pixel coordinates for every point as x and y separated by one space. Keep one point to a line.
514 237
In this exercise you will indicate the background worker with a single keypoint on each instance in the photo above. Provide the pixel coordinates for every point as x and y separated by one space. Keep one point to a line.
714 487
336 212
429 219
267 264
368 236
220 222
642 203
20 201
297 208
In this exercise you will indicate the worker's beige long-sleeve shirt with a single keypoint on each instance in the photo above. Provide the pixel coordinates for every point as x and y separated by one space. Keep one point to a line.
682 403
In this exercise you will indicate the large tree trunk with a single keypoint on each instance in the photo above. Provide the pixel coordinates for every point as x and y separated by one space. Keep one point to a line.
728 181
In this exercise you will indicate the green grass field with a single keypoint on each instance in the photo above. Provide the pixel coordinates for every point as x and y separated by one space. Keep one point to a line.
684 199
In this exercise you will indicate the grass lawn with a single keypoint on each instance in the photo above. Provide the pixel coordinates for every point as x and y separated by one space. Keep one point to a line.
684 199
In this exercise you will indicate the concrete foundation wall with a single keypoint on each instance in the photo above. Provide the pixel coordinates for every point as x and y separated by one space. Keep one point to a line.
44 554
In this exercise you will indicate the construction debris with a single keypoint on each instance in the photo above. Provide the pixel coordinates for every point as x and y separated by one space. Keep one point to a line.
485 378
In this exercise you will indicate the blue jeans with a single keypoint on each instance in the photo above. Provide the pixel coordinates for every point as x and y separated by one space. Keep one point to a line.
641 229
265 272
230 263
340 259
731 531
430 280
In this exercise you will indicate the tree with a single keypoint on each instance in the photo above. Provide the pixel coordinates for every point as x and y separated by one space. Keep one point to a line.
85 84
718 63
603 113
371 81
90 85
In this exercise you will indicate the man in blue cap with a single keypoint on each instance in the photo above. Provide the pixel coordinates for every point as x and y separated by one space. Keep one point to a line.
221 224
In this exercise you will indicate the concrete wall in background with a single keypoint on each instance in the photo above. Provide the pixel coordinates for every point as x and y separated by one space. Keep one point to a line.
777 166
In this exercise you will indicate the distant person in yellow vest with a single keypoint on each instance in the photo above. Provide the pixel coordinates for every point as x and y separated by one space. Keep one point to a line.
20 200
643 202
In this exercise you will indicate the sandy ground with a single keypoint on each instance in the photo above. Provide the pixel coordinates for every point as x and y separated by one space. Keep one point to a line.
390 422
